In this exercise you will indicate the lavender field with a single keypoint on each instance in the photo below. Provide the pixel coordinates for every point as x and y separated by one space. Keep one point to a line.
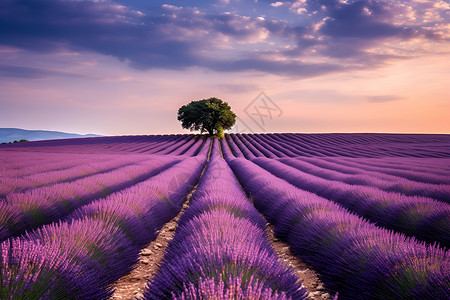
370 213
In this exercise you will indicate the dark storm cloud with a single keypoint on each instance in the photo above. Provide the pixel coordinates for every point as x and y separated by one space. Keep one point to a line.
173 37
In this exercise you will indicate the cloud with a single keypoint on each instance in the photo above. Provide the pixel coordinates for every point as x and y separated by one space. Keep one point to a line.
32 72
237 88
383 98
276 4
296 69
367 19
330 35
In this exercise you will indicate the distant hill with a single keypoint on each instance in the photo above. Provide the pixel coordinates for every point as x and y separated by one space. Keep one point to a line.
15 134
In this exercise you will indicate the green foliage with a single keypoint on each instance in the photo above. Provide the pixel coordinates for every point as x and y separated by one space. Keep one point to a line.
220 134
15 142
211 115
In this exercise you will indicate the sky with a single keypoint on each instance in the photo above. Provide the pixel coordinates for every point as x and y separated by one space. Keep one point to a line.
125 67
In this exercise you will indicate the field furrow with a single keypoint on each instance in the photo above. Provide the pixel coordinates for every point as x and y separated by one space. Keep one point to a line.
34 208
424 218
219 240
247 216
411 175
382 181
96 164
98 243
353 256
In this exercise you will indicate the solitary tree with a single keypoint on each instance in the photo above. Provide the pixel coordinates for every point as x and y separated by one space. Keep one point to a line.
211 115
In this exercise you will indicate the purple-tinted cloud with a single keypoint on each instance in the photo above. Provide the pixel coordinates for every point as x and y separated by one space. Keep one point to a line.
364 20
292 68
383 98
173 37
32 72
237 88
350 29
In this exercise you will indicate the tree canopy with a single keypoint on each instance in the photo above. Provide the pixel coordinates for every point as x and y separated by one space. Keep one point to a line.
211 115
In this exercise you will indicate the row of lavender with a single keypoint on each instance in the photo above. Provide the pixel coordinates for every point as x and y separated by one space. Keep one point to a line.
353 173
38 188
285 145
400 197
269 145
424 218
182 144
25 171
347 145
427 170
427 177
220 249
80 256
30 209
329 179
352 256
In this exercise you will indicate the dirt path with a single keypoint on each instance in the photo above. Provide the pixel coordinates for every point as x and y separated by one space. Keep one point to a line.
310 281
134 284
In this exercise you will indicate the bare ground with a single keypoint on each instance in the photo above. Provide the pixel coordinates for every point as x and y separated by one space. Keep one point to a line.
133 285
305 273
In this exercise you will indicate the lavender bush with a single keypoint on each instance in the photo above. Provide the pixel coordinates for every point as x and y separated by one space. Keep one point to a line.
43 205
352 256
220 249
424 218
98 243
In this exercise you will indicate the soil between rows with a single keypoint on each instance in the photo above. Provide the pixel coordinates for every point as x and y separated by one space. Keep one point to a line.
133 284
305 273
